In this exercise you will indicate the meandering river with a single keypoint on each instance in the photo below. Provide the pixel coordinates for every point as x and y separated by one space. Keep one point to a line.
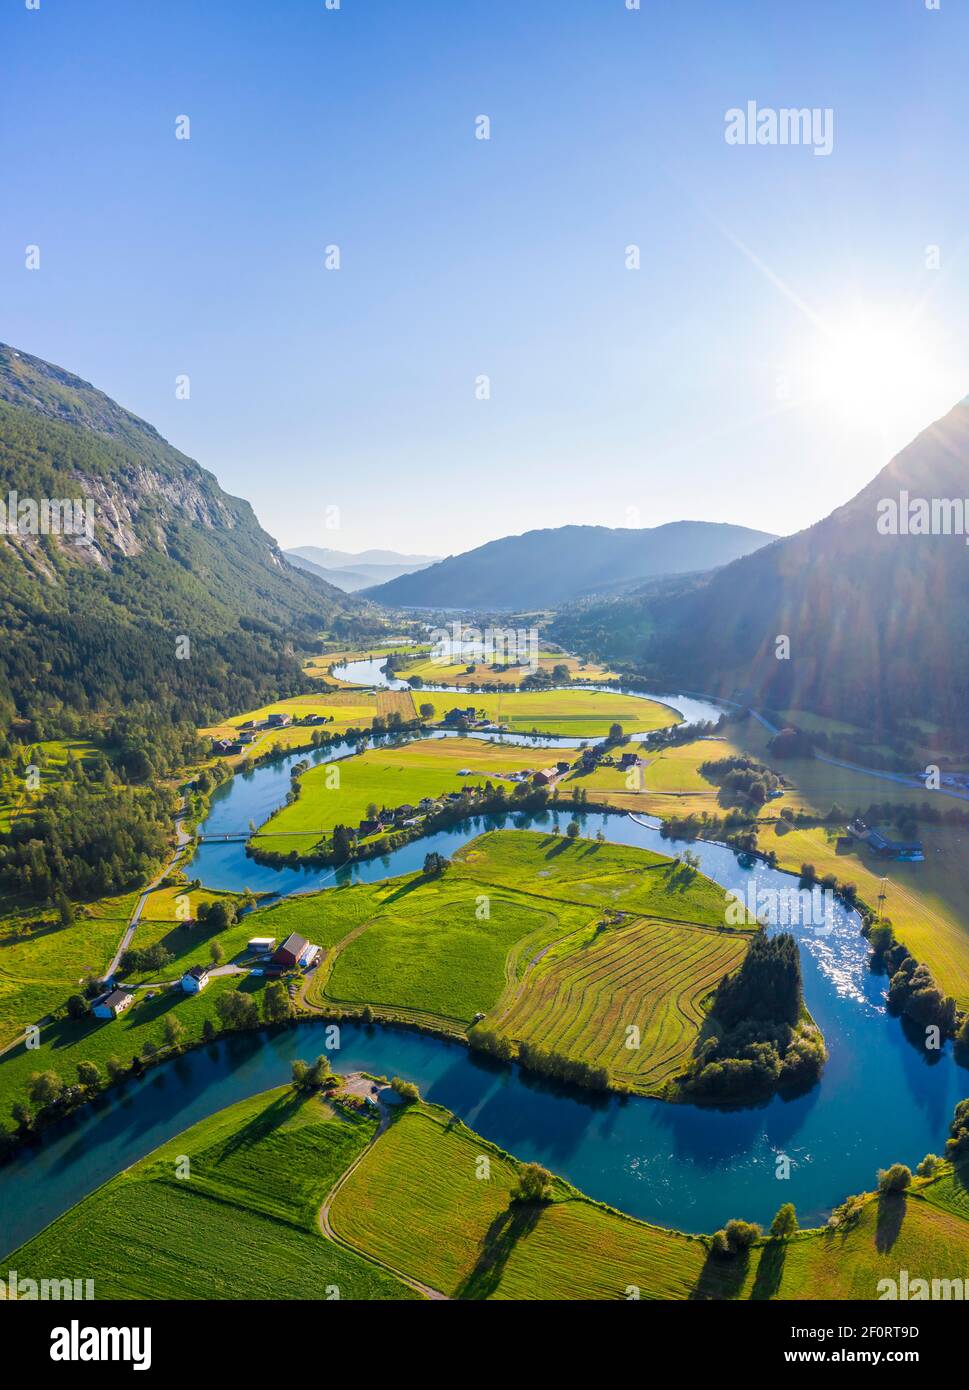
881 1098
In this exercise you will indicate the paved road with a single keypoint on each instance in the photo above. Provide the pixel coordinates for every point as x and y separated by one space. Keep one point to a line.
181 840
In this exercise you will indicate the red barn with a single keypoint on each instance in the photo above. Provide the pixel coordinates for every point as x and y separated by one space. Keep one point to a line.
291 952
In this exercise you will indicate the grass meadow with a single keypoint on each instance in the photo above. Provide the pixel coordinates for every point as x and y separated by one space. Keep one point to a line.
43 962
458 1230
241 1225
341 792
569 712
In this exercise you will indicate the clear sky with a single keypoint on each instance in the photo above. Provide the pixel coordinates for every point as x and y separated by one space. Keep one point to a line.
786 332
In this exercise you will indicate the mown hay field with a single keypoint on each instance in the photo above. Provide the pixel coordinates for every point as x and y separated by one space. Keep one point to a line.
396 702
652 977
423 1201
439 950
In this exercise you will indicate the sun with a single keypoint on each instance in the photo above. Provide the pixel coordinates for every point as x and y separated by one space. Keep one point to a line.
879 371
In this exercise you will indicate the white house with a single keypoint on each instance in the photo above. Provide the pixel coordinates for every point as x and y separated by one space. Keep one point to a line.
195 979
113 1003
261 945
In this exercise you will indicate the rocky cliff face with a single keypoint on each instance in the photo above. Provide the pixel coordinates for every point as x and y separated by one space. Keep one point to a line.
154 510
89 619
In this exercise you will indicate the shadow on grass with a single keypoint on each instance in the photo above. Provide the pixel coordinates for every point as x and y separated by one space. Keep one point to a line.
562 843
419 882
722 1277
261 1125
770 1271
891 1214
508 1227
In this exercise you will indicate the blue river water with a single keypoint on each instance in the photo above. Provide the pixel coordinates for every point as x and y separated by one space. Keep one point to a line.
881 1099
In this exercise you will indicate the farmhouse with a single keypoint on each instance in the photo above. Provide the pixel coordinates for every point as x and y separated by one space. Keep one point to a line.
295 951
195 979
907 851
895 849
113 1003
628 760
456 715
542 779
279 721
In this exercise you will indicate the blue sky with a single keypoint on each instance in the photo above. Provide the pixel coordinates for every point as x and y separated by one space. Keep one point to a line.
783 336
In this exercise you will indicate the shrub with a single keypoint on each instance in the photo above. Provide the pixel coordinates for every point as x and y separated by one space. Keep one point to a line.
894 1179
784 1224
407 1091
534 1184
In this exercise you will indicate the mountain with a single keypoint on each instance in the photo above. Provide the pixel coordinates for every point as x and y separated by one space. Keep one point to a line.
352 572
92 621
346 559
544 569
878 624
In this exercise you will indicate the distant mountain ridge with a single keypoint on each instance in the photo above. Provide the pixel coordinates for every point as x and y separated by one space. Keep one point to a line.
877 624
352 572
546 568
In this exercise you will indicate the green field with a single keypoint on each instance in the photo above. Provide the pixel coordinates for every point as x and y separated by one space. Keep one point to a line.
388 777
432 1201
461 1234
668 782
427 953
650 975
241 1225
572 713
513 930
43 962
62 1044
342 710
457 673
591 873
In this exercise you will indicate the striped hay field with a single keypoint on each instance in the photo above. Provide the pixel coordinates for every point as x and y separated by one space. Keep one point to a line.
396 702
651 974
